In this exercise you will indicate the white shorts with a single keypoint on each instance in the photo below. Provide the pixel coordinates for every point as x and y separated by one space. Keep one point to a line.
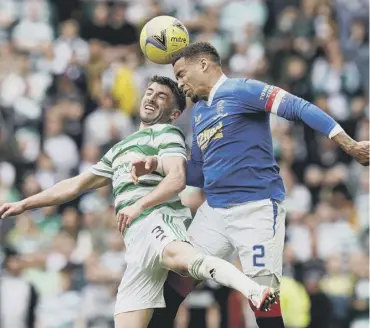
142 284
256 230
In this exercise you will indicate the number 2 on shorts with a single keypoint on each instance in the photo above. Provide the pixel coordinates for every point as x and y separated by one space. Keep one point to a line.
259 253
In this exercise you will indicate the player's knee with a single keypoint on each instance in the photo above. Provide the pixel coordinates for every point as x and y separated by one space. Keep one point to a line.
175 256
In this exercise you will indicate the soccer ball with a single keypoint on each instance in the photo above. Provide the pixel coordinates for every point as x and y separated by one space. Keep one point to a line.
162 38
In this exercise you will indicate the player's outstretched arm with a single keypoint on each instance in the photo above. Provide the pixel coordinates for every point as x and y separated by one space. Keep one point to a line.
261 97
173 183
60 193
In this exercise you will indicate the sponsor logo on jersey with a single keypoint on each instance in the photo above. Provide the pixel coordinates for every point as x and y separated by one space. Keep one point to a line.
159 233
266 92
204 138
197 119
122 169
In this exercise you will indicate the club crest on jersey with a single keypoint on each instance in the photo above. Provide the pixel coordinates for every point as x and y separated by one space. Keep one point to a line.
220 109
220 106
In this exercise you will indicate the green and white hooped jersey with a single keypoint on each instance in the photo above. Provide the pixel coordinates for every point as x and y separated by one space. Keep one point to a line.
160 139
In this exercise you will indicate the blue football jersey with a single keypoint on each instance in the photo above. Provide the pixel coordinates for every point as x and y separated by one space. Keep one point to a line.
232 146
232 154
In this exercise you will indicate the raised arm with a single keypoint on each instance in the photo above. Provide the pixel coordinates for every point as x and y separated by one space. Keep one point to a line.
256 96
60 193
173 183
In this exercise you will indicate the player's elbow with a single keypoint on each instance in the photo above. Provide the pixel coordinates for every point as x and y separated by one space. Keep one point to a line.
179 181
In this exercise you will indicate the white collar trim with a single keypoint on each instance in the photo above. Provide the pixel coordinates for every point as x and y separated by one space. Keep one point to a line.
221 80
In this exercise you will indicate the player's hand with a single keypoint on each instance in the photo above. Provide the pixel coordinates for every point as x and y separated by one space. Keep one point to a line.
142 167
361 152
11 209
127 215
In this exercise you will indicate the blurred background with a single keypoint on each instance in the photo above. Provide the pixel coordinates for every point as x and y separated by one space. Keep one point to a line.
71 78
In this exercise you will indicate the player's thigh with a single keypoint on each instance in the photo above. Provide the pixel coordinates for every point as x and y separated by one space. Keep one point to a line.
207 232
142 284
134 319
177 255
257 230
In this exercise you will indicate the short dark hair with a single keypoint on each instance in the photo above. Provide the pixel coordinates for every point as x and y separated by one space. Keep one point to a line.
196 49
172 85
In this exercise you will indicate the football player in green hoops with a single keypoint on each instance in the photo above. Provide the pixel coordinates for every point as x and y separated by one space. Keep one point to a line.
157 240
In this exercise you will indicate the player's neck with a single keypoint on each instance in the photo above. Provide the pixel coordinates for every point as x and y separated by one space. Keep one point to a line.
145 125
213 79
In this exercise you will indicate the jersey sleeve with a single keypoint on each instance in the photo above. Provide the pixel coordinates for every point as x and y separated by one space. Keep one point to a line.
171 143
104 166
194 166
256 96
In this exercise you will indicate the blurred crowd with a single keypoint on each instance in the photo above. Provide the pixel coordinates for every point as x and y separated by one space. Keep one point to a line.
71 78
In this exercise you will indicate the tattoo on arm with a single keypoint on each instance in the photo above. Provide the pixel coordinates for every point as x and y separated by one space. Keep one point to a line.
345 142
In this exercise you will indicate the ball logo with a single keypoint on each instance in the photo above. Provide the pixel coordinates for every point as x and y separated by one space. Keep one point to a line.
179 25
178 39
159 40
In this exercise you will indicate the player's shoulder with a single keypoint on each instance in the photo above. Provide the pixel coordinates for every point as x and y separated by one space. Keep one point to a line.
246 84
166 128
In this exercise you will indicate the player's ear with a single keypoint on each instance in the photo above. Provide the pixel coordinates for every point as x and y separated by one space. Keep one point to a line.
175 114
204 64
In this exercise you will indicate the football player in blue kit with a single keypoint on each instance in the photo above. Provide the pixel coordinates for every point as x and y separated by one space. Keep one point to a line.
232 159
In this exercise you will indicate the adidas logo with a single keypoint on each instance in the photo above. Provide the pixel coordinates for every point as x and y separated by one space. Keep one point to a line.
212 273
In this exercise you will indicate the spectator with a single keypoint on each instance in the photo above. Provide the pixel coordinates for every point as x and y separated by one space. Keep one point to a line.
64 309
295 304
337 286
360 301
107 124
8 16
321 308
97 28
18 298
123 32
55 140
33 34
69 43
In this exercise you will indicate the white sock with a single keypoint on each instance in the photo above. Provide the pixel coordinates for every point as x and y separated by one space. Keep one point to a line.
204 267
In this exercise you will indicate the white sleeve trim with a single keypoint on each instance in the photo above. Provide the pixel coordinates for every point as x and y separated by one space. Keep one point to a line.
102 174
172 155
334 131
159 160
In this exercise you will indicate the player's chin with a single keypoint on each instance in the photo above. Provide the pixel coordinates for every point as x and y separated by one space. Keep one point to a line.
146 118
194 98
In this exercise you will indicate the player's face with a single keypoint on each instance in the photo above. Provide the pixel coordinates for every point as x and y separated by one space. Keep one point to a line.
190 76
157 105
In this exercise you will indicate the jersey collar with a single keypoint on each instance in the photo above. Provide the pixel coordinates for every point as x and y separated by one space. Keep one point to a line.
221 80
